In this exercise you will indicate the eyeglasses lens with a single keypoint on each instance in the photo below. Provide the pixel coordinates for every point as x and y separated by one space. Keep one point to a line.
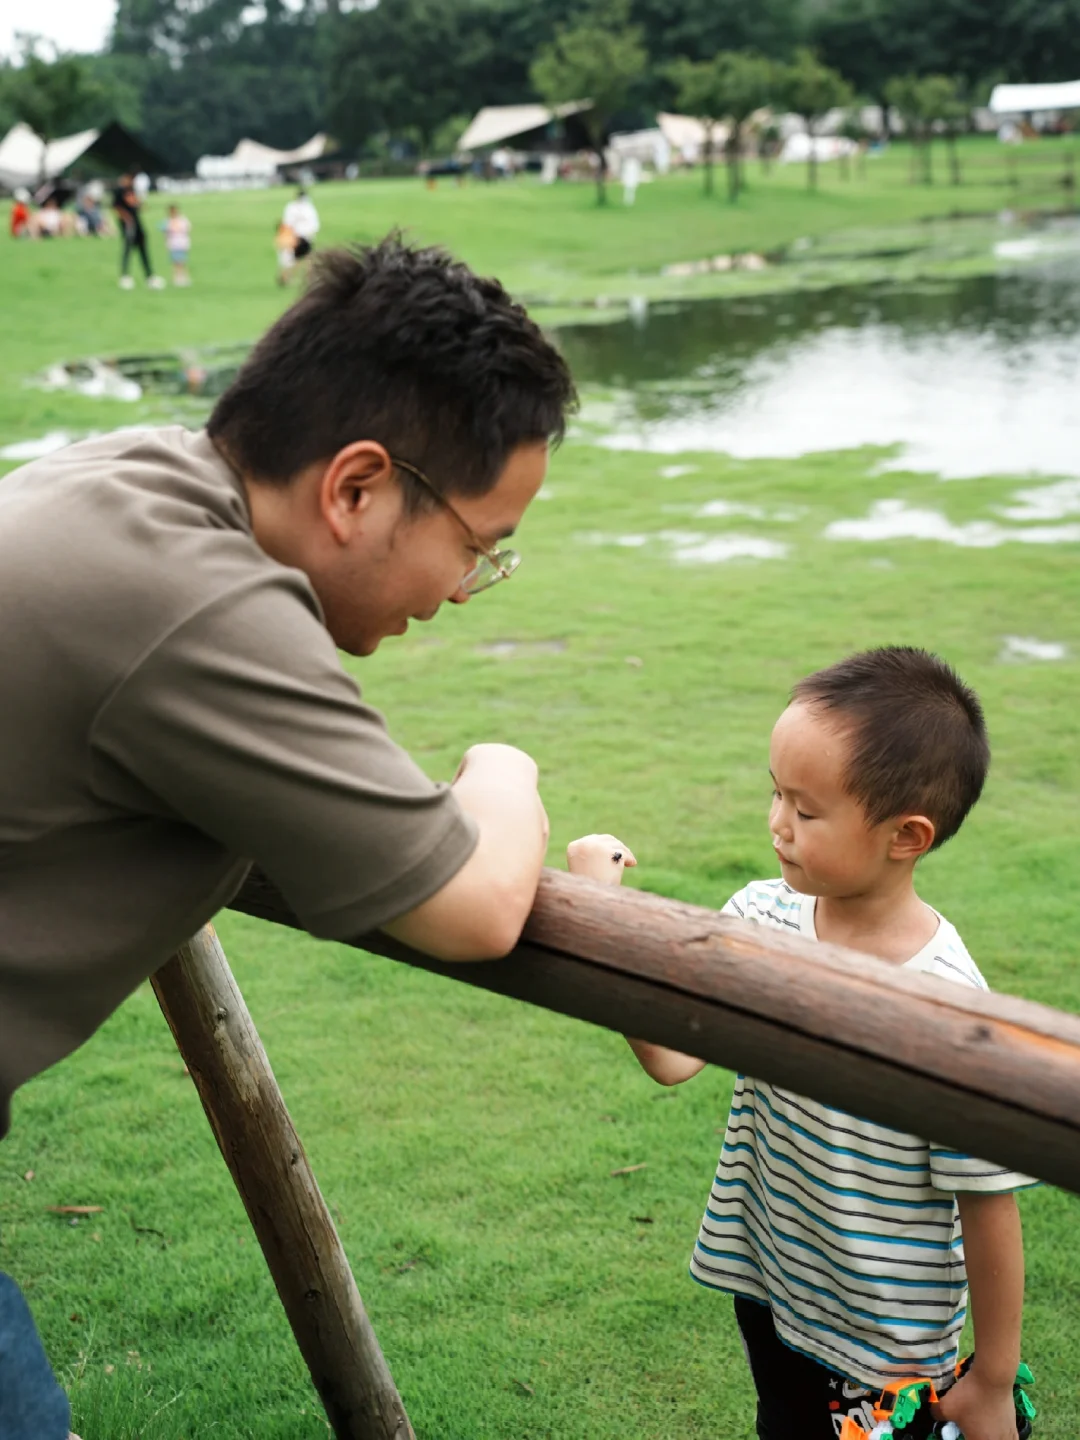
490 570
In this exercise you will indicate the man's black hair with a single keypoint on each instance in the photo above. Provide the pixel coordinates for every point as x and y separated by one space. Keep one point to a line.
918 735
405 346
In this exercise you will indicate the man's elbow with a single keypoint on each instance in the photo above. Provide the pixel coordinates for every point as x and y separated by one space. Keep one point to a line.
495 925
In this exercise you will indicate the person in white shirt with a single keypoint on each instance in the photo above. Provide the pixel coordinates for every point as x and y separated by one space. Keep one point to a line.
302 219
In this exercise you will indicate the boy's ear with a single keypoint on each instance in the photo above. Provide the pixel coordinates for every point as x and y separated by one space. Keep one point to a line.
913 837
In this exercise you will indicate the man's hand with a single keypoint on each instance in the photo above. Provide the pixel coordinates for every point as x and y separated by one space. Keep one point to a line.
599 857
982 1411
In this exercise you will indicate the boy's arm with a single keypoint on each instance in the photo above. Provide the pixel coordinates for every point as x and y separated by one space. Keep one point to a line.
603 858
981 1404
667 1067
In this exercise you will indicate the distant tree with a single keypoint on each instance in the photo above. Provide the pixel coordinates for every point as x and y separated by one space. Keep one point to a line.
50 95
810 90
856 38
206 74
696 94
599 58
8 83
871 41
944 105
697 29
730 86
852 128
379 53
929 103
904 94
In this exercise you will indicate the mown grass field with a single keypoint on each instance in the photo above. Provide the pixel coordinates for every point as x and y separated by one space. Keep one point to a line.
465 1143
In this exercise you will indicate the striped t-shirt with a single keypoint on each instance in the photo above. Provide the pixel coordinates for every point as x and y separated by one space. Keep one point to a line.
847 1230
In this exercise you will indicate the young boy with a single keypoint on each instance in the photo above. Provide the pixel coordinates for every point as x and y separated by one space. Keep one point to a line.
849 1247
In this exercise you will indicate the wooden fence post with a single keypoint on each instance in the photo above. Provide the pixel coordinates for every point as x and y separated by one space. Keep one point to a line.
221 1048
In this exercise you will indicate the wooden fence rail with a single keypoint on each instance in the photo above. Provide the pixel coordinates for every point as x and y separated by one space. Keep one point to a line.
990 1075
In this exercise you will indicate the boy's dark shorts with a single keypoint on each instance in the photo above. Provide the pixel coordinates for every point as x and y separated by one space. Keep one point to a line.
303 249
798 1398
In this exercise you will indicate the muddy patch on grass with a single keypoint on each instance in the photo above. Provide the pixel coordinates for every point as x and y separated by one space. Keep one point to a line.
511 649
897 520
26 450
1026 647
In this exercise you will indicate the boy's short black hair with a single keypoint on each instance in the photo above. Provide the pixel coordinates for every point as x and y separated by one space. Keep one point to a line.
405 346
918 735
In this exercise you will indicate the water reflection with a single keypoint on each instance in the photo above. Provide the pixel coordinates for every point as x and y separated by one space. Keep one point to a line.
972 377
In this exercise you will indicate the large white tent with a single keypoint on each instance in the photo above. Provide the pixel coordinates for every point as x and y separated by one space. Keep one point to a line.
25 161
1032 99
495 124
251 160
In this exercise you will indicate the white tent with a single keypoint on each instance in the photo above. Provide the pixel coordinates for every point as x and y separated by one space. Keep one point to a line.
250 159
1026 99
496 123
801 146
650 147
23 163
686 135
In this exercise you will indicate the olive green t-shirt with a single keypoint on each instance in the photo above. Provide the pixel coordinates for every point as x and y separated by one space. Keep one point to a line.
172 708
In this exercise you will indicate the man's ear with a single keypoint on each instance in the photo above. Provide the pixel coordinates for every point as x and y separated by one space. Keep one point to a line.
349 484
912 837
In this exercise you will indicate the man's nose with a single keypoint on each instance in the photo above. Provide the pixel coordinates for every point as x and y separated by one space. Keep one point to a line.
460 596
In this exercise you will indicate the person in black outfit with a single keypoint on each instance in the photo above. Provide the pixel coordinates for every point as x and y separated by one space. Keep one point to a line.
126 204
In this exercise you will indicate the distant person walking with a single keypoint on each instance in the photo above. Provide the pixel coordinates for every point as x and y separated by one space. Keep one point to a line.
631 178
177 230
127 206
302 219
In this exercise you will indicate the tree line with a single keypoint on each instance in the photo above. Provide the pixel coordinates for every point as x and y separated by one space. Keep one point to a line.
401 77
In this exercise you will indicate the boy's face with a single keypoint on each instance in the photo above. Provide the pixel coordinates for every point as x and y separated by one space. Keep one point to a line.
820 832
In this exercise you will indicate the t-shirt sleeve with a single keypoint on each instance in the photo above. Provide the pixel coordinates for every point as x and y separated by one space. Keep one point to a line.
242 723
952 1170
736 905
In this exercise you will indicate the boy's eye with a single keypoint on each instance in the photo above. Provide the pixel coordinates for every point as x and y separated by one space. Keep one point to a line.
803 816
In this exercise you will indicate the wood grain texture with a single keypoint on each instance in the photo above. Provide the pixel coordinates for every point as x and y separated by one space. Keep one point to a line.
222 1050
990 1075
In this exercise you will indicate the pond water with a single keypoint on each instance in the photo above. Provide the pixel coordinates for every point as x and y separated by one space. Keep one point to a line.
967 377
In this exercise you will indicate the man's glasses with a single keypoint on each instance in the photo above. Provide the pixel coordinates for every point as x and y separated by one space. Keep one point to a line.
493 565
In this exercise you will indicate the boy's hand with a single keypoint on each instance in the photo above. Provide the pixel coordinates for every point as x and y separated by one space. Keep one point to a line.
599 857
982 1411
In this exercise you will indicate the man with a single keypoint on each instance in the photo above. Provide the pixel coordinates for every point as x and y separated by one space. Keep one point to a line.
127 204
174 705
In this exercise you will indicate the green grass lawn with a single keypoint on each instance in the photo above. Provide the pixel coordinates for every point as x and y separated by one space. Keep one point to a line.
464 1143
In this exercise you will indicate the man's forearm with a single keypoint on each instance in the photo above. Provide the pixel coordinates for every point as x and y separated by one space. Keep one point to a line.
479 914
994 1250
